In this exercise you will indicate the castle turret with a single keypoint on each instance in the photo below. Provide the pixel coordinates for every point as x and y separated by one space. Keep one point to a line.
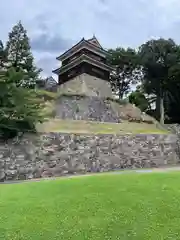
84 69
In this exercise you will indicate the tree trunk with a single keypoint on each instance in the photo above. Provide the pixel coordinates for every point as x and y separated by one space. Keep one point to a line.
162 110
120 95
121 92
158 108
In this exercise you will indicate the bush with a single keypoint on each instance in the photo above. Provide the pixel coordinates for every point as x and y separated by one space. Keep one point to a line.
10 129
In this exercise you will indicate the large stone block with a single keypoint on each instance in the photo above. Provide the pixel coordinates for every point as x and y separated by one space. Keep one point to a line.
85 108
87 85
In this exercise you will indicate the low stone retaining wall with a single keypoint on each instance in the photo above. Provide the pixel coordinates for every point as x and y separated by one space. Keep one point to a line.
57 154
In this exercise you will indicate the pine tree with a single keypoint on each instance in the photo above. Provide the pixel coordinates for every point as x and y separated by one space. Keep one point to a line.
20 109
3 56
20 57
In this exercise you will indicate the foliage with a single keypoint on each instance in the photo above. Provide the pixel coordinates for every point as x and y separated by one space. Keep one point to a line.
139 99
20 106
3 55
19 56
159 59
126 70
106 206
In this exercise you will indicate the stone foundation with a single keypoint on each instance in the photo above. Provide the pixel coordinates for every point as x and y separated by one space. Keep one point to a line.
57 154
87 85
85 108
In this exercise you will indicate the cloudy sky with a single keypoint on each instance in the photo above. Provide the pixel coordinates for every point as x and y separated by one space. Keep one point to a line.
55 25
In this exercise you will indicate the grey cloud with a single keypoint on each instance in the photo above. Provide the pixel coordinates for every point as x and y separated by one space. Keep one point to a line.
46 43
115 22
47 64
42 21
172 32
103 1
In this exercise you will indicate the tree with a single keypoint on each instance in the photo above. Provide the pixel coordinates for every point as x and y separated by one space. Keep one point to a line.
19 56
126 71
3 55
158 58
139 99
20 109
172 102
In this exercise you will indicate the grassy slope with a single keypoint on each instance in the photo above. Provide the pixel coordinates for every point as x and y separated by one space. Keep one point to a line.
130 206
72 126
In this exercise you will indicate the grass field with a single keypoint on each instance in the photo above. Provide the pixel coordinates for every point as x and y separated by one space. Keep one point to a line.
106 206
73 126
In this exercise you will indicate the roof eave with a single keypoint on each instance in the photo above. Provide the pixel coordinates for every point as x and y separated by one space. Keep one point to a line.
58 70
61 57
100 48
81 41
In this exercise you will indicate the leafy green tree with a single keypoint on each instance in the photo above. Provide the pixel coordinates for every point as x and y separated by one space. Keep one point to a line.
19 56
126 70
139 99
159 58
172 97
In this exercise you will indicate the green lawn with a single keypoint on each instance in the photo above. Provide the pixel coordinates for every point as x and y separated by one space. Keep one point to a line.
106 206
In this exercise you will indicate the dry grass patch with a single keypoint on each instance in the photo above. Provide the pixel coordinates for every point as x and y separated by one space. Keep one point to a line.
79 126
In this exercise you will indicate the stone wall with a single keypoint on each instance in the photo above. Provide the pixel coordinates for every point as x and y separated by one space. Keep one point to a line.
85 108
175 129
57 154
88 85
